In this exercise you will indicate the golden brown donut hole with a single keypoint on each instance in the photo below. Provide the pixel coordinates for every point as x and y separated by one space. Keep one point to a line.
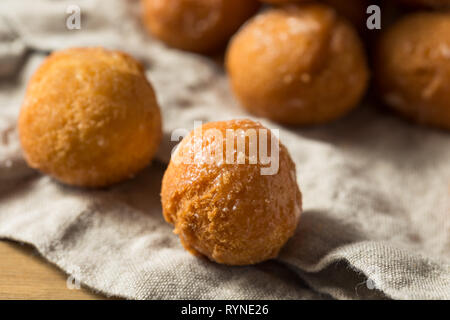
298 65
196 25
413 68
230 212
90 117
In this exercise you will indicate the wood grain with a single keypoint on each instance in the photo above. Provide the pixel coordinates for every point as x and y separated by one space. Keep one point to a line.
26 275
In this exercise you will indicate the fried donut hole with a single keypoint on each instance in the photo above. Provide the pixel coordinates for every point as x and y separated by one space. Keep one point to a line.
202 26
89 118
308 65
413 68
236 206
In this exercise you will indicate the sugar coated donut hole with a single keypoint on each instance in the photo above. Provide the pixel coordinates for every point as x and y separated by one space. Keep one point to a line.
298 65
196 25
413 68
232 213
89 118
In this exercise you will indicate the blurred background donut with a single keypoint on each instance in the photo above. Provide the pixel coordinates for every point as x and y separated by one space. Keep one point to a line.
308 65
413 67
196 25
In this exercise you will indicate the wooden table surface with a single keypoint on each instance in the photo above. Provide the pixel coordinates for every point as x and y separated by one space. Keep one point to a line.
26 275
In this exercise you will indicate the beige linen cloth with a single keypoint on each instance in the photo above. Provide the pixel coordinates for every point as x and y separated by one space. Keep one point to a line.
376 221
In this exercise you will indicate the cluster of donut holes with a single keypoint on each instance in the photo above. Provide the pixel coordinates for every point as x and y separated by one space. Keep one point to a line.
308 64
90 117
